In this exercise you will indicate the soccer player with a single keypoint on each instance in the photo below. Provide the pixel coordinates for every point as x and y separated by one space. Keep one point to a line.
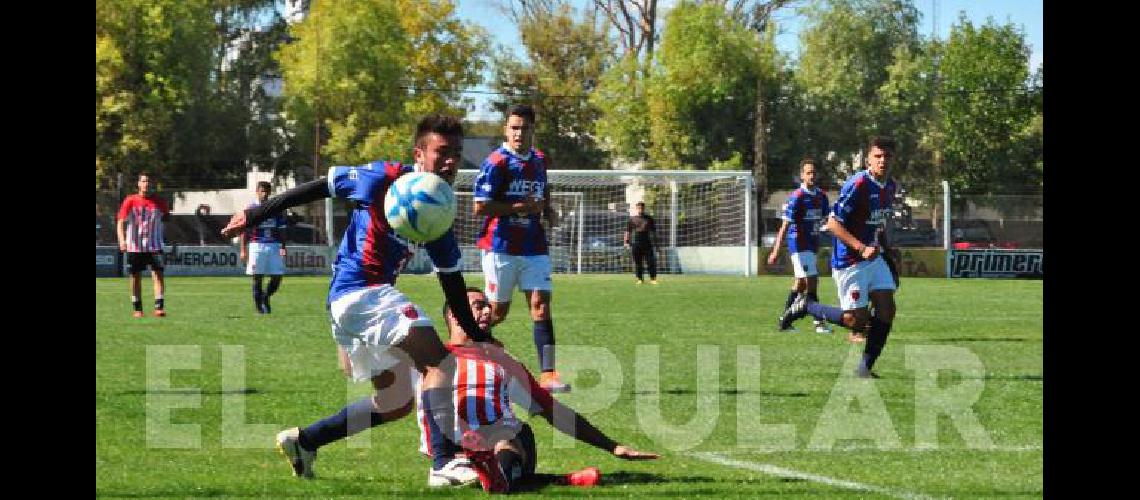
139 229
379 332
641 231
511 194
499 447
263 250
858 223
805 210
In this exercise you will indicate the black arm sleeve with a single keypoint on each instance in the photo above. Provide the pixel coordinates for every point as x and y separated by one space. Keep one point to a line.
300 195
455 291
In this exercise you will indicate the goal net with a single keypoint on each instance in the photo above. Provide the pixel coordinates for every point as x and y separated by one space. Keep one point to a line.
702 223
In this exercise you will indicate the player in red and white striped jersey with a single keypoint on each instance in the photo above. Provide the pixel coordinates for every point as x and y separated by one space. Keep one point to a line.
139 229
501 448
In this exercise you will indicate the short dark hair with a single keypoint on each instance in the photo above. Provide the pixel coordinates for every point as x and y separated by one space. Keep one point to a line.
149 177
265 185
444 310
438 124
809 159
639 204
522 110
882 142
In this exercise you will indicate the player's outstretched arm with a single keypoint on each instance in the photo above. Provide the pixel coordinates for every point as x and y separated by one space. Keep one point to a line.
573 424
299 195
455 292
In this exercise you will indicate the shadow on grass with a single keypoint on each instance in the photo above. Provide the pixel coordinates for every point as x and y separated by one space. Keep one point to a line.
247 390
728 392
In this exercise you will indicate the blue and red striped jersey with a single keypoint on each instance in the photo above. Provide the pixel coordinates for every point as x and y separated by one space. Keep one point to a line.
371 253
805 211
266 232
508 177
862 208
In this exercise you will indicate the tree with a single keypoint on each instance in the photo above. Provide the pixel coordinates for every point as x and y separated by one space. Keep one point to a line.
368 69
153 61
623 118
565 59
848 47
177 89
704 88
636 24
990 119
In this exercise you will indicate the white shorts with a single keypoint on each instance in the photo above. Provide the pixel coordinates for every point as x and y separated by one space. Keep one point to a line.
804 265
502 272
265 258
367 322
855 283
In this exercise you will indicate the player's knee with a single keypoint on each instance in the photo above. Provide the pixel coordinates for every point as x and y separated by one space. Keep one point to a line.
539 308
539 312
400 412
855 320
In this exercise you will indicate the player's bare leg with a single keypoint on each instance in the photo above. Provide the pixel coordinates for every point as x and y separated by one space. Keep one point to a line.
135 285
159 289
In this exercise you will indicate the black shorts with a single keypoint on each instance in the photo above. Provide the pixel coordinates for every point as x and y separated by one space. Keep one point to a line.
140 260
526 439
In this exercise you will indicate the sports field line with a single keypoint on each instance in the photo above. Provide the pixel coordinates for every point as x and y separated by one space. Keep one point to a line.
917 449
773 470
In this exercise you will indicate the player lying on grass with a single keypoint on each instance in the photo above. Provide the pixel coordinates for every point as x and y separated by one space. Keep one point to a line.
500 448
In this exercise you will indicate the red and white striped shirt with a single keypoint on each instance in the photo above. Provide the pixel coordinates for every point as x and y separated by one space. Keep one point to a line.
485 388
144 222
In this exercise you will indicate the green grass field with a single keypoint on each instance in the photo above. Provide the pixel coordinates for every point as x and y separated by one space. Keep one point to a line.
992 328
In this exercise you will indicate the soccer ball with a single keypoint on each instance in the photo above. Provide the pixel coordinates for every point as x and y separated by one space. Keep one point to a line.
420 206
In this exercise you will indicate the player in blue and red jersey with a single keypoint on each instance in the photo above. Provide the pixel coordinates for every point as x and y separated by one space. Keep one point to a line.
263 248
804 212
379 333
858 222
512 196
139 229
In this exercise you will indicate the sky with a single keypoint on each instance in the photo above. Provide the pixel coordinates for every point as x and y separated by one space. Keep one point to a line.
1025 14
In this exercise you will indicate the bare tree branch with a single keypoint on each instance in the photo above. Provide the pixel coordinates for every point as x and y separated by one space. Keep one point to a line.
633 38
607 6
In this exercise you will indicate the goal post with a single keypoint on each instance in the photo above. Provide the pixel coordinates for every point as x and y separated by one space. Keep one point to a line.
703 225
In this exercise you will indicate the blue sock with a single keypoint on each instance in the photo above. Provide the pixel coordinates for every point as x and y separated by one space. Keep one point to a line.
876 339
350 420
544 336
831 314
436 404
791 298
